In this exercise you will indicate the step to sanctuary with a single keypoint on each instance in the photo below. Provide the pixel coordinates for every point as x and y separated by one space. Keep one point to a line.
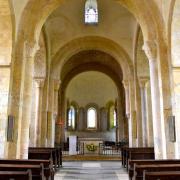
90 158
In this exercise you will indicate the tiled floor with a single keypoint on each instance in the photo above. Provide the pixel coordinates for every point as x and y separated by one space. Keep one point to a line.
94 170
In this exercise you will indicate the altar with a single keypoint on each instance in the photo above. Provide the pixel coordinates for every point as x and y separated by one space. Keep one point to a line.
91 145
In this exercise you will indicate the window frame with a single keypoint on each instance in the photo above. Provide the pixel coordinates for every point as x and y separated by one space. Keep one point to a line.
112 111
91 4
96 118
70 126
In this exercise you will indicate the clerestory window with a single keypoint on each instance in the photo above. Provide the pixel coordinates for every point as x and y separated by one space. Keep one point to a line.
91 12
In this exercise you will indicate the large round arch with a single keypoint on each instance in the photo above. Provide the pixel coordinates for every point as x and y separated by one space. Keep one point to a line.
173 28
92 43
7 31
92 60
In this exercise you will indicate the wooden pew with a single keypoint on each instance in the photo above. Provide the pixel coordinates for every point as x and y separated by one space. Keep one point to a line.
16 175
37 170
53 151
125 152
167 175
140 156
139 169
148 162
58 153
43 155
147 151
48 165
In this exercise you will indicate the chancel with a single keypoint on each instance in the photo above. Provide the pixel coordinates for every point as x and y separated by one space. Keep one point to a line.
89 86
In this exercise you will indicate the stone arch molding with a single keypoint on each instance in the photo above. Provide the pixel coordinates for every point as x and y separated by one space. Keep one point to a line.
151 25
36 13
150 22
173 28
142 10
92 43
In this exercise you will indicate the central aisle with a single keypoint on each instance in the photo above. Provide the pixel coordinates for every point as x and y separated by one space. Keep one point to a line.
94 170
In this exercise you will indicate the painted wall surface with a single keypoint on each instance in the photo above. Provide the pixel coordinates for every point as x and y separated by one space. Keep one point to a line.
91 87
115 23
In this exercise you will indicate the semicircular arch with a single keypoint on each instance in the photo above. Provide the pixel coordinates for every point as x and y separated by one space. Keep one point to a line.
92 43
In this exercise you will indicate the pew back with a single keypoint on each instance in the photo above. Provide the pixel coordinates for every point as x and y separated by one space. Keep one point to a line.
139 155
48 167
37 170
167 175
20 175
148 162
139 169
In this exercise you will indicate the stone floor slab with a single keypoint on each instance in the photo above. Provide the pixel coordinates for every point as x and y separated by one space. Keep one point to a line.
91 170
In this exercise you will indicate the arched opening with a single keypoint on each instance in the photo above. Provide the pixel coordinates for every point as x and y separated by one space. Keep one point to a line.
151 30
6 45
90 61
175 66
71 118
91 118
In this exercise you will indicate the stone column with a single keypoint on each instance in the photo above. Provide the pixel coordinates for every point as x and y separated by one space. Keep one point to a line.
149 115
51 123
56 103
120 128
56 89
129 95
27 98
150 49
20 99
126 87
39 92
44 113
142 82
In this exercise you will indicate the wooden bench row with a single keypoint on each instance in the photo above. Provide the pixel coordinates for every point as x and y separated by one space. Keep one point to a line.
54 153
37 170
141 165
136 153
17 175
42 164
132 164
48 171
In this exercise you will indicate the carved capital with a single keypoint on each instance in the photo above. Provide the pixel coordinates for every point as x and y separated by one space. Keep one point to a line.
39 82
31 48
57 84
150 49
143 81
126 84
